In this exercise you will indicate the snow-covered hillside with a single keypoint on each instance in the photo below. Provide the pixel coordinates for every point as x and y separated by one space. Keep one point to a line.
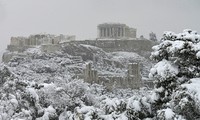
42 86
48 86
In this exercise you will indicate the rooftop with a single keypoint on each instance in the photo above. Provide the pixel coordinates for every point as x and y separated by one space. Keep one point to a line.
112 24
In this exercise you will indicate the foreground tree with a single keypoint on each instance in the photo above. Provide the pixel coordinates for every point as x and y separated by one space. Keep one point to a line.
178 57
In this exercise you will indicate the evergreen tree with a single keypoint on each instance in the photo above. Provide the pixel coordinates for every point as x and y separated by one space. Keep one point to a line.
178 61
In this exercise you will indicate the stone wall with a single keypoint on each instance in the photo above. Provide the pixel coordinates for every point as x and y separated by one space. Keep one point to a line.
7 56
133 45
140 46
20 43
50 48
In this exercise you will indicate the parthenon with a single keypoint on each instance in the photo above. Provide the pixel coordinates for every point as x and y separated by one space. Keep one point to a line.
115 30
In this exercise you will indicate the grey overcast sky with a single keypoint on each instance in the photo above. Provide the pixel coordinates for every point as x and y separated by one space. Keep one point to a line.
81 17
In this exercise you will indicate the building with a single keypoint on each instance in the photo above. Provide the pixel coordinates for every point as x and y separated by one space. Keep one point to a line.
21 43
40 39
115 31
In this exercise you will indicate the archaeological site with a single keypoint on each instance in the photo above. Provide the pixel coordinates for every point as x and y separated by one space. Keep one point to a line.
116 58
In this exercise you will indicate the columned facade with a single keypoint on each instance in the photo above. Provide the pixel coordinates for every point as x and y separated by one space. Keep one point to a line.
117 31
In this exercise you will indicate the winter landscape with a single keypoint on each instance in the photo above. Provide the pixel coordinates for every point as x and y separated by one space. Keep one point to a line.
122 73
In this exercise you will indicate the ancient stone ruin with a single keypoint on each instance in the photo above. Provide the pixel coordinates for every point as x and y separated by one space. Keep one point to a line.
21 43
111 38
132 79
116 31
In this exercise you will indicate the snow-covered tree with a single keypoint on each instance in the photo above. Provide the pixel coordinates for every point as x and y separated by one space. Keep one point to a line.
178 57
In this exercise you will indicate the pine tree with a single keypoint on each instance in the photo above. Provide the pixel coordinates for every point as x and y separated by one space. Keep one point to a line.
178 57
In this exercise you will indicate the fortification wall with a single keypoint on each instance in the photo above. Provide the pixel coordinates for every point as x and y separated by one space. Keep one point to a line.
14 48
50 48
7 56
141 46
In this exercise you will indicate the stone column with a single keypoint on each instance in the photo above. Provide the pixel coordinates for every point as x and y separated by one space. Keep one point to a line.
111 29
108 30
104 31
101 32
121 31
115 32
124 33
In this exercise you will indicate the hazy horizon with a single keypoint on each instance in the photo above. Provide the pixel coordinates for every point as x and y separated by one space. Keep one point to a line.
80 18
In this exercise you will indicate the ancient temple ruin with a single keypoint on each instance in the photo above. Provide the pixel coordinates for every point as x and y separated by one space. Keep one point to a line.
134 76
132 79
90 75
115 31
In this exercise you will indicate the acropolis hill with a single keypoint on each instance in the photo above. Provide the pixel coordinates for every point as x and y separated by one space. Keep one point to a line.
112 37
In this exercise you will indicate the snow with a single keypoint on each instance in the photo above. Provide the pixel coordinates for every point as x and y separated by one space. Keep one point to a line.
169 114
164 68
196 47
160 89
49 79
50 109
154 97
34 50
120 56
198 55
86 109
47 85
194 87
136 105
176 45
33 93
14 102
90 47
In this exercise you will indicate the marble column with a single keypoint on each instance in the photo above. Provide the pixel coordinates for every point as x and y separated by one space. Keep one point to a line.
108 30
100 29
104 32
110 34
111 29
113 32
122 32
101 32
119 32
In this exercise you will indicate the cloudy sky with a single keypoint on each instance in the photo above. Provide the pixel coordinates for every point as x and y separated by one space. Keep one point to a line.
81 17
